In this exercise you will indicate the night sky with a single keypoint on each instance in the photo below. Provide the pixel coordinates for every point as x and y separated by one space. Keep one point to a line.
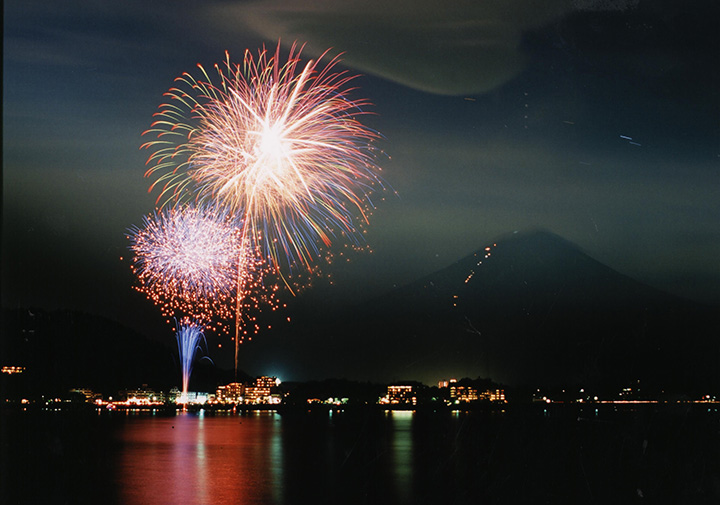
596 120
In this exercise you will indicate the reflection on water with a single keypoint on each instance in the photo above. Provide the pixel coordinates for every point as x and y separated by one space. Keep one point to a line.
402 452
262 458
193 458
365 456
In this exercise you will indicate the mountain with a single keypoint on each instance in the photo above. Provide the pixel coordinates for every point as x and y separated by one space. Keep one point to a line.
530 308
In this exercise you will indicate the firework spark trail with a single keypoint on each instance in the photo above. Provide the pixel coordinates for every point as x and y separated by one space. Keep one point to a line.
186 259
277 144
190 336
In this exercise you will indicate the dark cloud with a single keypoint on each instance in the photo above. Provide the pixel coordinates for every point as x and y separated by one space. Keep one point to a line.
464 47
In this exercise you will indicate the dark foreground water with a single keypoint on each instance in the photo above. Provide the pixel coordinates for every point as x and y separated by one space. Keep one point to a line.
532 455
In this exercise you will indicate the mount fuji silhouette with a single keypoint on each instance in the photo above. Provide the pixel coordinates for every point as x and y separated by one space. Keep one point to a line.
530 309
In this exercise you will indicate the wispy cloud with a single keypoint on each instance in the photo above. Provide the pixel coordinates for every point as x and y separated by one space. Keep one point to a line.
465 47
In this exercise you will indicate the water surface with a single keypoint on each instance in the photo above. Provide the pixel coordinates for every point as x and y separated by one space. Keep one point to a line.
533 455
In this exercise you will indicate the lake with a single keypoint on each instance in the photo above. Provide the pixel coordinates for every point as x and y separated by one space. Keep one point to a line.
533 454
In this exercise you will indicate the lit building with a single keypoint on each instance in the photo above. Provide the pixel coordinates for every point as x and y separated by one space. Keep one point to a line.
267 382
147 396
140 395
11 370
89 394
231 393
446 383
255 395
400 395
497 395
467 394
193 397
262 391
463 394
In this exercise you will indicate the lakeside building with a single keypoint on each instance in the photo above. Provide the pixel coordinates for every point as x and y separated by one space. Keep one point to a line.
89 394
12 370
194 397
400 395
329 401
262 391
230 393
266 381
143 396
13 383
457 393
257 395
497 395
463 394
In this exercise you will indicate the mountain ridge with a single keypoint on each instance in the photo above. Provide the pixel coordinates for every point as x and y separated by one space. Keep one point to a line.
536 309
526 309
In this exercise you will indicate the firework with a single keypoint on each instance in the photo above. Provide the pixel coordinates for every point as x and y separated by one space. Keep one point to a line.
278 144
190 337
186 261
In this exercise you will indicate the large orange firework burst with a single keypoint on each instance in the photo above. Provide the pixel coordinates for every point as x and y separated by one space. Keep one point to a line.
278 144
